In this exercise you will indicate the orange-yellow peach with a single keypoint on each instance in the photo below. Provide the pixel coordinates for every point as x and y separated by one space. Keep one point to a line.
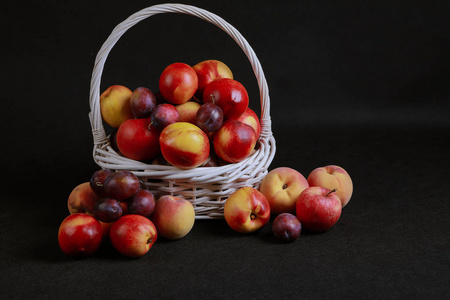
249 117
173 217
208 71
188 111
282 186
115 105
82 199
333 177
184 145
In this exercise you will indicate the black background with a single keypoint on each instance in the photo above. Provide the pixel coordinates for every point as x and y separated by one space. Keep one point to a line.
360 84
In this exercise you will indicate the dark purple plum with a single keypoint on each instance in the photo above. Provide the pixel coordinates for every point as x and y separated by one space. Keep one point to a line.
121 185
107 210
143 203
209 117
286 227
142 102
163 115
98 180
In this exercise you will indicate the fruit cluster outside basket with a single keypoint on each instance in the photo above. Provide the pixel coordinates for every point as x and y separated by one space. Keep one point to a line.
207 188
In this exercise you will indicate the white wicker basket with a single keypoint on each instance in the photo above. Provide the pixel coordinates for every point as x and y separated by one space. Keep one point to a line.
205 187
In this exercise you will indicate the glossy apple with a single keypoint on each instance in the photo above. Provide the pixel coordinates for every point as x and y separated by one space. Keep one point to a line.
142 102
188 111
208 71
234 141
133 235
80 235
178 83
249 117
246 210
318 208
138 140
286 227
282 186
82 199
331 177
173 217
229 94
184 145
115 105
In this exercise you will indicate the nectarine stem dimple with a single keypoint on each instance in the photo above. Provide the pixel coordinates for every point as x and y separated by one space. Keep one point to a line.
149 240
285 186
332 191
252 216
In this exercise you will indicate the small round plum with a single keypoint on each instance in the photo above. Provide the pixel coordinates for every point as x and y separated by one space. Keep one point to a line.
98 180
209 117
121 185
107 210
164 115
143 203
286 227
142 102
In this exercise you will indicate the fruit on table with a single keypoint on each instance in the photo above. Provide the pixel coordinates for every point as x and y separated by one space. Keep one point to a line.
98 180
188 111
286 227
229 94
318 208
208 71
107 210
178 83
331 177
142 203
138 140
234 141
209 117
142 102
163 115
184 145
173 217
282 186
115 105
82 199
80 235
247 210
122 185
133 235
249 117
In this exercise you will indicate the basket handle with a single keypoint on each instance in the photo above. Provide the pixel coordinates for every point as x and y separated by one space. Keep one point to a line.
94 96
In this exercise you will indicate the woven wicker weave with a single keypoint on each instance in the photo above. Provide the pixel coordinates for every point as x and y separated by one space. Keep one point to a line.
205 187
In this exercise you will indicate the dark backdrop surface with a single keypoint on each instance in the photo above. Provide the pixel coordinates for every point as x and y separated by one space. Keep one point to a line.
360 84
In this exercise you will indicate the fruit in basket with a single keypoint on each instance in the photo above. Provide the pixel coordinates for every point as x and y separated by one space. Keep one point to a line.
247 210
318 208
234 141
142 203
209 117
331 177
188 111
286 227
184 145
282 186
163 115
142 102
115 105
121 185
80 235
82 199
173 217
178 83
249 117
138 140
133 235
107 210
229 94
98 180
208 71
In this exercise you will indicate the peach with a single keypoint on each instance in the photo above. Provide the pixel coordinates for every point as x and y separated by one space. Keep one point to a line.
173 217
208 71
188 111
234 141
249 117
184 145
246 210
282 186
82 199
333 177
115 105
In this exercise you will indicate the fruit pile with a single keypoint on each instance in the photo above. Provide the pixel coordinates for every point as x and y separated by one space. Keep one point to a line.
113 205
199 117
